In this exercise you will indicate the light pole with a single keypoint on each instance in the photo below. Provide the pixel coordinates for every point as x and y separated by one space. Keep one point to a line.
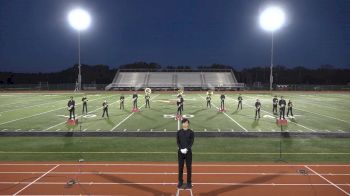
80 20
271 19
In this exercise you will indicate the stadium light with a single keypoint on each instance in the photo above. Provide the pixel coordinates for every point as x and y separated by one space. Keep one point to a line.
272 19
80 20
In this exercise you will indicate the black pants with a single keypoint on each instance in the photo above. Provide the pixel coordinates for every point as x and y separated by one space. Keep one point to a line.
290 110
282 112
222 105
181 160
182 108
85 108
257 113
147 103
72 113
179 111
105 110
135 104
208 104
121 105
274 109
239 104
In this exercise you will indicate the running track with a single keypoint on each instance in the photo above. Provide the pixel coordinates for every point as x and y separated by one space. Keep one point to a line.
209 179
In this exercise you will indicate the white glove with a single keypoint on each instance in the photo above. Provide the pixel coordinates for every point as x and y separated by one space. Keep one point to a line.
184 150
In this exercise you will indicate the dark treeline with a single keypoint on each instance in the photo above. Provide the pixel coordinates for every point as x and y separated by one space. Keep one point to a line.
103 74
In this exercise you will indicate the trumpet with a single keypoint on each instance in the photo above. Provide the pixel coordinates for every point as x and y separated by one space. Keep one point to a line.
148 91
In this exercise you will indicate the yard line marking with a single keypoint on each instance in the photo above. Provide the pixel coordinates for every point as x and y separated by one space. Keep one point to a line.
79 115
164 130
130 115
124 130
219 130
151 130
228 116
17 129
273 130
340 130
98 129
35 180
31 129
138 130
324 115
259 130
38 114
58 129
205 129
232 130
174 165
327 180
84 129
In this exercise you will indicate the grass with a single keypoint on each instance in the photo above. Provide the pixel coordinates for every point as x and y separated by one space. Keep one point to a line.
324 112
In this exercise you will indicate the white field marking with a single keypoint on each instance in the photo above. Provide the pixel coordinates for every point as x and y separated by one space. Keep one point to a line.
174 183
167 152
123 130
58 129
341 131
272 114
84 129
273 130
300 130
232 130
178 124
4 130
173 173
138 130
228 116
31 129
219 130
151 130
259 130
38 105
80 115
205 129
164 130
130 115
327 180
98 129
17 129
36 180
323 115
171 165
38 114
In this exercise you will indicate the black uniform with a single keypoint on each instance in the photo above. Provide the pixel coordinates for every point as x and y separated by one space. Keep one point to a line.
105 109
222 104
147 98
71 105
84 100
208 101
257 109
274 104
121 102
134 97
282 104
178 104
185 139
240 99
182 103
290 108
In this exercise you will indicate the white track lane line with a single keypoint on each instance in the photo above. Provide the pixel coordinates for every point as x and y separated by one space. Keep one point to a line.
228 116
326 180
35 180
130 115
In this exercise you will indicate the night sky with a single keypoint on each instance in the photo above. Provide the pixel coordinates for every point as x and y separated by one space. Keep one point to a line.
36 36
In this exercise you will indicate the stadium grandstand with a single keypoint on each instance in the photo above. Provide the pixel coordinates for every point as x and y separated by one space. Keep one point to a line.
171 79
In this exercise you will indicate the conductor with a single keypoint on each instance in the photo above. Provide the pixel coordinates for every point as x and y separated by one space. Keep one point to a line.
185 139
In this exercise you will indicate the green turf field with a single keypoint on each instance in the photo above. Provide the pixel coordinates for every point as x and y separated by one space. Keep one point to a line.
324 112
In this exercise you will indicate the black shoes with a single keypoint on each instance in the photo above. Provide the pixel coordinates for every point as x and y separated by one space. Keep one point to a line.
188 186
179 185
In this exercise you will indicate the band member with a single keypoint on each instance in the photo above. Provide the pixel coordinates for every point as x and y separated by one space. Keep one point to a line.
182 103
84 100
71 108
147 98
222 103
240 99
185 139
121 102
208 101
134 100
274 105
290 108
178 104
282 104
105 108
257 108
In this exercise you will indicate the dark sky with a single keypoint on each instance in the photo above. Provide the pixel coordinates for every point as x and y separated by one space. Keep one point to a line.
35 35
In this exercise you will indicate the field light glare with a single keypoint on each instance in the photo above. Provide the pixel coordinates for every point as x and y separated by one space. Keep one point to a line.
79 19
272 18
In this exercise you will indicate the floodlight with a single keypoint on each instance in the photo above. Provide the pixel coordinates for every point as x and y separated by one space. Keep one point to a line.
79 19
272 18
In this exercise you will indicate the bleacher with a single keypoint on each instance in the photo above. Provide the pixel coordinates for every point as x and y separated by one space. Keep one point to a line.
174 79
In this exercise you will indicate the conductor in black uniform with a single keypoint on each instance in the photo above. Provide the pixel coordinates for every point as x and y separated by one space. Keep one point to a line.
147 98
240 99
84 100
290 108
222 103
274 105
208 101
185 139
121 102
282 104
182 103
257 108
105 108
134 99
71 108
178 104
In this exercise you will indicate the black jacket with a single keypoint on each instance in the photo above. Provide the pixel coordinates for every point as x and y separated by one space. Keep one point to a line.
185 139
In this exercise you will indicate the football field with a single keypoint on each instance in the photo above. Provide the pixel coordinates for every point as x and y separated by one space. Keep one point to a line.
47 112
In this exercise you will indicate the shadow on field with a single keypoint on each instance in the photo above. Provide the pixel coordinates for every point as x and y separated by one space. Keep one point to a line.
255 123
116 179
258 180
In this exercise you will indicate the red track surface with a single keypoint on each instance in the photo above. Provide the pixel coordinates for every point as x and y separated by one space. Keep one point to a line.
161 179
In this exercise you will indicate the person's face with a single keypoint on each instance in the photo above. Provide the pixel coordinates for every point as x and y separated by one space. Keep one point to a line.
185 125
